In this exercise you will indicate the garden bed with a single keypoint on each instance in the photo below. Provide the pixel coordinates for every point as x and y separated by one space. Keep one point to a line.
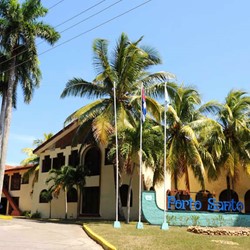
225 231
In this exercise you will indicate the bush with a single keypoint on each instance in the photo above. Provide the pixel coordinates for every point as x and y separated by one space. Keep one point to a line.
27 214
36 215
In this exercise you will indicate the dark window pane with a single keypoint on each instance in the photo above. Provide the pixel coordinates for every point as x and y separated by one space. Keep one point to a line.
59 161
43 197
25 180
72 195
46 164
74 159
93 161
6 181
15 181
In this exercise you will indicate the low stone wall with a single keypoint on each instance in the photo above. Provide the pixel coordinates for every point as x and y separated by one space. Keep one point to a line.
154 215
238 231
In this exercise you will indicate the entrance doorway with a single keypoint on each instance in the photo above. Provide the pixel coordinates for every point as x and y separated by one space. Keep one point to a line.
91 201
3 206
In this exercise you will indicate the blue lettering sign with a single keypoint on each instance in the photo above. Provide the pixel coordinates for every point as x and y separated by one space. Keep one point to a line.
213 205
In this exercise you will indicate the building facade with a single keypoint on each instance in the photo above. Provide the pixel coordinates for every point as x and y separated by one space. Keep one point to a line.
98 197
17 191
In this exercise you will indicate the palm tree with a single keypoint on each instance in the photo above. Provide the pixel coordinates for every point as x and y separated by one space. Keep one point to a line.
126 70
19 28
129 150
184 149
63 178
33 159
233 117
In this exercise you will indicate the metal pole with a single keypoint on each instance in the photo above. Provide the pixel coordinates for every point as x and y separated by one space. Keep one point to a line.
164 226
116 223
139 224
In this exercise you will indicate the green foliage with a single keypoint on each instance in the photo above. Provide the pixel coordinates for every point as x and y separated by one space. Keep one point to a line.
195 220
27 214
126 69
47 195
36 215
33 159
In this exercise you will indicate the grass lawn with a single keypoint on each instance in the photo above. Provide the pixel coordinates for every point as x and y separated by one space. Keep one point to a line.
152 237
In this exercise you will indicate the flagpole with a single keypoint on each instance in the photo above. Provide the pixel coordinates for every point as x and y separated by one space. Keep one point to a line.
117 224
164 225
140 224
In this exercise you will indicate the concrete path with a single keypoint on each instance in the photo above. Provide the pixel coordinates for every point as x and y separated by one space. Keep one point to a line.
23 234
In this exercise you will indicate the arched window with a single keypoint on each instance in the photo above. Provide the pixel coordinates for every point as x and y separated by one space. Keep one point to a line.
247 202
203 196
228 195
43 196
92 161
72 195
124 195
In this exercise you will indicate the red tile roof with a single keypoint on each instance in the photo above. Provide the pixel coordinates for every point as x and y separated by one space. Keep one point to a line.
9 168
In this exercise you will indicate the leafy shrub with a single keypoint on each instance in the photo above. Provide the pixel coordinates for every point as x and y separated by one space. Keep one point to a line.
36 215
27 214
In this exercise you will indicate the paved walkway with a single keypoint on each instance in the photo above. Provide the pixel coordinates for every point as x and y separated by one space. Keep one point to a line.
25 234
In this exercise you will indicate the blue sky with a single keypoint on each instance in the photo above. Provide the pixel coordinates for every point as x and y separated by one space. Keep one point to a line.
206 44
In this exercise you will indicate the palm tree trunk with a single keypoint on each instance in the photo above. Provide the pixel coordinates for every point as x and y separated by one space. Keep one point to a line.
6 124
129 195
228 188
175 180
2 116
50 209
66 203
79 193
187 179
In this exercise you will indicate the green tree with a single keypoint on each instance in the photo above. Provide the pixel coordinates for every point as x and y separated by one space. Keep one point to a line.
127 69
129 152
233 117
183 143
20 25
63 179
33 159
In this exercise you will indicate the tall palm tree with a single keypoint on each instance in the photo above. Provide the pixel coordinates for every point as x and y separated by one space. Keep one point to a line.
184 150
233 117
19 28
126 70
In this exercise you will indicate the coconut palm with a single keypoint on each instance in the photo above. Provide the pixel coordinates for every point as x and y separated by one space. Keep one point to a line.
233 117
184 148
19 28
126 71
